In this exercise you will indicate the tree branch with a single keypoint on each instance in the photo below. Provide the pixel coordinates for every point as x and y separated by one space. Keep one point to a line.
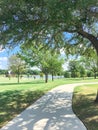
90 37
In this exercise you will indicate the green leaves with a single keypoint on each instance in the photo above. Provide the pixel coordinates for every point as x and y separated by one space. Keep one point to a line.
45 21
16 65
47 61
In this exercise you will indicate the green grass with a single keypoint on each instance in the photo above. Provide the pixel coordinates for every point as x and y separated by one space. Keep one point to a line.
84 106
14 97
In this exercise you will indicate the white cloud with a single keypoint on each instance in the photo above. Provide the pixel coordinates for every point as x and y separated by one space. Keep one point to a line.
2 50
3 58
34 68
65 65
62 52
3 62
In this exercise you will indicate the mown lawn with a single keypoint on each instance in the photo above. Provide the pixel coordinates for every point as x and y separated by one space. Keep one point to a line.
84 106
14 97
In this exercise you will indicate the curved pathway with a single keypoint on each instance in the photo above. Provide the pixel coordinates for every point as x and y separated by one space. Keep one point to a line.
51 112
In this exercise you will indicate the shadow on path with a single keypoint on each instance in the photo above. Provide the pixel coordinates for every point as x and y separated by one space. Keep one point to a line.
51 112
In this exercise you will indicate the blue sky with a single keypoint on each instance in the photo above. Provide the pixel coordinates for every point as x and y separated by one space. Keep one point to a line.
4 55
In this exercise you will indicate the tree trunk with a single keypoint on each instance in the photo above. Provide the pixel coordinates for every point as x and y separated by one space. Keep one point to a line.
18 78
46 78
52 77
18 75
91 38
95 75
96 100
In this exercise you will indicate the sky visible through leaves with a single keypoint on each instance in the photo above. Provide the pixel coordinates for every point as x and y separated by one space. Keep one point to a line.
4 54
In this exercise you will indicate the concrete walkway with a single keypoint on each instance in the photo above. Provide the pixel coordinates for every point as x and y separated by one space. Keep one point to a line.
51 112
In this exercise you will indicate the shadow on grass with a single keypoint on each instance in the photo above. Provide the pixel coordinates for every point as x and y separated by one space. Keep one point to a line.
33 82
85 108
13 102
53 111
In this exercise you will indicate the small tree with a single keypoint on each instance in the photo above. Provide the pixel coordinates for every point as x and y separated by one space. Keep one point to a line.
91 64
67 74
89 73
50 64
55 65
41 75
47 61
82 72
16 65
74 68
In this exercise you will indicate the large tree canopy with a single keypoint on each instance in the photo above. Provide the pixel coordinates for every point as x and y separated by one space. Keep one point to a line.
49 21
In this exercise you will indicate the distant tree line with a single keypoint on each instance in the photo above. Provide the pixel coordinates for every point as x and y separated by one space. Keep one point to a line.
2 71
81 68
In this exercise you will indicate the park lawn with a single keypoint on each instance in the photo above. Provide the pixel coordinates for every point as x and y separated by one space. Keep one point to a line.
84 106
14 97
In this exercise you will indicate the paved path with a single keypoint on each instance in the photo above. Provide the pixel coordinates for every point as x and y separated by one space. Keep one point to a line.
51 112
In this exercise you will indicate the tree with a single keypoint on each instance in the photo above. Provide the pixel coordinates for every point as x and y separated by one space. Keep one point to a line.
89 58
92 65
74 68
48 20
16 65
3 71
67 74
90 61
47 61
82 71
77 69
55 65
89 73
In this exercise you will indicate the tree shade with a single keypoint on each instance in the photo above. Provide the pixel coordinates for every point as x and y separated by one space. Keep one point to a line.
47 21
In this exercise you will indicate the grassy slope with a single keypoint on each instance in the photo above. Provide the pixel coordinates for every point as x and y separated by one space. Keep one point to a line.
84 106
14 97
